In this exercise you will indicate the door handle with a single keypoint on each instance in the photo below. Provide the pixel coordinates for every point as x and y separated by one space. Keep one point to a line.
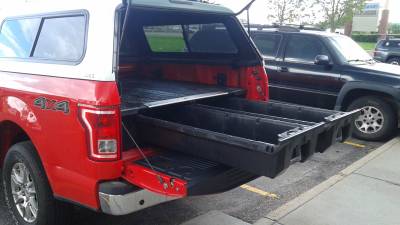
283 69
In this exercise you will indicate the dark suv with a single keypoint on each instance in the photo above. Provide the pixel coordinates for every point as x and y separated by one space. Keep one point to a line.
331 71
388 51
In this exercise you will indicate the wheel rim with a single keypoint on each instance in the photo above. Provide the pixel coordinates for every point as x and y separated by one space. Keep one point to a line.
370 121
395 63
24 192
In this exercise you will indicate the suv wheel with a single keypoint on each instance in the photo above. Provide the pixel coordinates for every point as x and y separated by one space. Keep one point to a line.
377 120
394 61
27 191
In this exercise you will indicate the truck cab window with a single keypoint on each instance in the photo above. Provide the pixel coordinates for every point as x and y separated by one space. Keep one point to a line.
165 38
17 37
304 49
61 38
190 38
210 38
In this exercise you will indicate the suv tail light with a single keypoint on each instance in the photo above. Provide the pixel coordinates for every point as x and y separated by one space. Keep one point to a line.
103 133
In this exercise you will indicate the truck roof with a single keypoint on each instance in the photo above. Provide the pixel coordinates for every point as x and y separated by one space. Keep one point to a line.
45 6
182 5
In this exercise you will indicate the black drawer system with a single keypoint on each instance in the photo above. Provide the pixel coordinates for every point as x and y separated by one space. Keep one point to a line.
257 137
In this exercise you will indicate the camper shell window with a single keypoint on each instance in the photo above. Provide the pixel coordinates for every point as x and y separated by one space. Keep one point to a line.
151 33
196 38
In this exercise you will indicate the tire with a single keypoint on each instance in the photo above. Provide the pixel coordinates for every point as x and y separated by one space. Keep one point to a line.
378 121
394 61
23 157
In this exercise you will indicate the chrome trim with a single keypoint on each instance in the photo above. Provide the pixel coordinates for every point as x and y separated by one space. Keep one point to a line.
118 205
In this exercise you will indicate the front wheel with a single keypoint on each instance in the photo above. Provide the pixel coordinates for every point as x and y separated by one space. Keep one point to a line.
28 194
377 122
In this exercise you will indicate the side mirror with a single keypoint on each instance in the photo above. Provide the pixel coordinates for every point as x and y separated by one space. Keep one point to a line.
322 60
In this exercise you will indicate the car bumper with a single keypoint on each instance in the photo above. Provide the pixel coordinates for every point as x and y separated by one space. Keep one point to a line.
119 198
381 56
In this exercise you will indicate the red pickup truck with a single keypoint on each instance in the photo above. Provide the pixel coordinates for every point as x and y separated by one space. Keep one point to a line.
121 105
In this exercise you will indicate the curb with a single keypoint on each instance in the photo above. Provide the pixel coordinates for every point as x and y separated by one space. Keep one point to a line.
294 204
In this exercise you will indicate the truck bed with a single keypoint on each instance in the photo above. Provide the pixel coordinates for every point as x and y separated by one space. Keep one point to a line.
139 93
202 176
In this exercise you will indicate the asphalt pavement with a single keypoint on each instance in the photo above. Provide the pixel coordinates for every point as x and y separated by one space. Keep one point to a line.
247 203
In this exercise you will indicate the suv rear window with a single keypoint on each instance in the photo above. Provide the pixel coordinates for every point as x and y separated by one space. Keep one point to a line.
390 44
193 38
302 48
268 44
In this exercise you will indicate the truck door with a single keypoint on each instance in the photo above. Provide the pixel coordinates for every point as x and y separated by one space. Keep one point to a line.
299 79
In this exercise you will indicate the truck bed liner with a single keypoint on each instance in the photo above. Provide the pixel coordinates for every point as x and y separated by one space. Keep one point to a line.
149 93
202 176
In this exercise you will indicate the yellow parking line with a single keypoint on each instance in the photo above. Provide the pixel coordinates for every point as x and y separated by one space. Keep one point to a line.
260 192
354 144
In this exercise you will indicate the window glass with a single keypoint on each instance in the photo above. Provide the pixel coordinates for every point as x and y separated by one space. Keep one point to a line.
349 49
268 44
194 38
392 44
303 48
165 38
61 38
17 37
210 38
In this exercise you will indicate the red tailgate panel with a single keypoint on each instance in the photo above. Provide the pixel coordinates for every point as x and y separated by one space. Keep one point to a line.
154 181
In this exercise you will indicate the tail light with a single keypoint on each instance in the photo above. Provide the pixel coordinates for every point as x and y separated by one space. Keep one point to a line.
257 83
103 133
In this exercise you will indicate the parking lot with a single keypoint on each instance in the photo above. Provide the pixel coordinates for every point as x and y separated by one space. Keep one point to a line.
249 202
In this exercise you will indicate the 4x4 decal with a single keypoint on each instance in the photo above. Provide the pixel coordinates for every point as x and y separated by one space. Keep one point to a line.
47 104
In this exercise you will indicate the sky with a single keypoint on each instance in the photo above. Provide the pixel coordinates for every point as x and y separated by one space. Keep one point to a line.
259 10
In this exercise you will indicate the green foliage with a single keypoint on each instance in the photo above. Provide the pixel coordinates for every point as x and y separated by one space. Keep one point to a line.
365 37
394 28
367 46
372 38
339 12
159 43
289 11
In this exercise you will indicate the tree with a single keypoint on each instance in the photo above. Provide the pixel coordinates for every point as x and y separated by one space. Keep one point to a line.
394 28
338 12
285 11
